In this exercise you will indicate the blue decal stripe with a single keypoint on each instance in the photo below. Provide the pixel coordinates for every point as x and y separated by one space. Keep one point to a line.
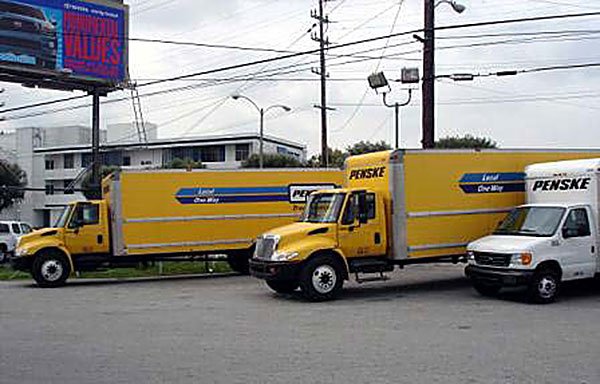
231 199
492 177
231 191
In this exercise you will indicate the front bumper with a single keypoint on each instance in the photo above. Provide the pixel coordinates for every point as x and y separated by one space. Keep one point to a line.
501 277
274 270
21 263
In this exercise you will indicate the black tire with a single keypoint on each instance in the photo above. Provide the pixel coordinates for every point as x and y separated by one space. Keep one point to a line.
50 269
321 278
486 289
544 287
239 262
283 286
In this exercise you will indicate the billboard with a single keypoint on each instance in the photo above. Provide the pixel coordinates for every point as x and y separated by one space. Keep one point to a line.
75 41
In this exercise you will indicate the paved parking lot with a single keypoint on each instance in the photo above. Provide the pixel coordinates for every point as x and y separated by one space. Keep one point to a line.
426 325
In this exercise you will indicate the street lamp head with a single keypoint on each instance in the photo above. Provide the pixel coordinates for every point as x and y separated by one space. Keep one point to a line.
286 108
235 96
458 8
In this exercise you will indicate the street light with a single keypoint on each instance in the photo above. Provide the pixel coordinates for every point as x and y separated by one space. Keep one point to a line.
427 108
377 81
262 112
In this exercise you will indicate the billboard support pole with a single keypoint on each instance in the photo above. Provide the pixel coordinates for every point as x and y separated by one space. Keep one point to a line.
96 143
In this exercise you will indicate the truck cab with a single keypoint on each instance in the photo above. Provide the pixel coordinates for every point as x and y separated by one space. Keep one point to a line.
339 231
51 254
552 239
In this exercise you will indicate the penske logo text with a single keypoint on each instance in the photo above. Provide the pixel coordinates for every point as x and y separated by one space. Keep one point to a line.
367 173
568 184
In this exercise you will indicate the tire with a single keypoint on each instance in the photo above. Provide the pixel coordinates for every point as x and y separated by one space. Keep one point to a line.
321 278
239 262
544 287
283 286
50 269
486 290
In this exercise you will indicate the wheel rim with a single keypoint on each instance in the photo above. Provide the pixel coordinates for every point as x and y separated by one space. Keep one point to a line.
52 270
547 287
324 279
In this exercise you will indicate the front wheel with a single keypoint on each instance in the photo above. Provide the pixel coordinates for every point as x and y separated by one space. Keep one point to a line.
283 286
321 279
544 287
50 269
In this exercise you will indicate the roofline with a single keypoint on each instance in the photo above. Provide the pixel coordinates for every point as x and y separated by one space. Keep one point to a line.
176 141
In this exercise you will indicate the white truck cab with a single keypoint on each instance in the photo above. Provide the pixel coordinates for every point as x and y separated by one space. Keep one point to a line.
551 239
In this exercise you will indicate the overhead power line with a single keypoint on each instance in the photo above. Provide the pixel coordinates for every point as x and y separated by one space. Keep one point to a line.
332 47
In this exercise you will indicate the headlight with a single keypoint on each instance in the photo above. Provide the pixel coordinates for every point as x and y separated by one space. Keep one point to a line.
21 252
523 258
471 256
284 256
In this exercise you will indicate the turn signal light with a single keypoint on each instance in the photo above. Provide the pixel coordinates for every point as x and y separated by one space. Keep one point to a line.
526 258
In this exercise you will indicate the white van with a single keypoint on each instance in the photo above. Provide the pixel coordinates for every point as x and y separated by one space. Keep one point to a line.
10 232
551 239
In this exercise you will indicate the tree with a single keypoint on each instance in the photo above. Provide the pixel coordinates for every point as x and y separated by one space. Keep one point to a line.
272 160
12 181
186 163
363 147
467 141
336 159
89 191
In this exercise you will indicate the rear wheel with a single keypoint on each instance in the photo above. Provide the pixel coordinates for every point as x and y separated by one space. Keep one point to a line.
544 287
283 286
486 290
50 269
321 278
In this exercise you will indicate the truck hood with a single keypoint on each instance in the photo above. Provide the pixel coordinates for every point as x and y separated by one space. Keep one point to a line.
36 235
292 235
507 244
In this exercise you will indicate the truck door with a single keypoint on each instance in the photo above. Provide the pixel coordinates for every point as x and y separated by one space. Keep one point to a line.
578 251
85 232
362 233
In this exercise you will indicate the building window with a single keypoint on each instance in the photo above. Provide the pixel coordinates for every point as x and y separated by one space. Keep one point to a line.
69 161
67 190
49 189
212 154
49 164
126 161
86 160
242 151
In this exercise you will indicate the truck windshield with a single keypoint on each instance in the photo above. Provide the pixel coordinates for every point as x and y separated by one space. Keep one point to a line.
64 216
531 221
323 208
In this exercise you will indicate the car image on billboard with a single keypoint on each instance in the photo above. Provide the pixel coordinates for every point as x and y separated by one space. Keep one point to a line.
28 35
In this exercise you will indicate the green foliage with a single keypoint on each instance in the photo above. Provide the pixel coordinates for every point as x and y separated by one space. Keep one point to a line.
12 180
89 190
363 147
186 163
271 160
467 141
336 159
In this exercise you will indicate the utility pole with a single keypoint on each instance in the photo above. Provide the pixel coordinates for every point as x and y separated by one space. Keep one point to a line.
322 71
428 102
96 143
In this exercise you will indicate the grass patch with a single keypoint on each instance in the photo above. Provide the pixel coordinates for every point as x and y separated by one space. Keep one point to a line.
170 268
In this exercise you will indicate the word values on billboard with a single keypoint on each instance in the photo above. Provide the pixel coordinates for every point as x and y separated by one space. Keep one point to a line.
93 45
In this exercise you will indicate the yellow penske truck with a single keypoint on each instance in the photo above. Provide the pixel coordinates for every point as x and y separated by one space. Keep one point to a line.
396 208
178 215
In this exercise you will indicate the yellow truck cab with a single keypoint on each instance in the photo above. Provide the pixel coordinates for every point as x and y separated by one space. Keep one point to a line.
396 208
170 215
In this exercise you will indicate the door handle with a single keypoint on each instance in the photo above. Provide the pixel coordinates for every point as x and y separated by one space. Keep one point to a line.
100 239
593 249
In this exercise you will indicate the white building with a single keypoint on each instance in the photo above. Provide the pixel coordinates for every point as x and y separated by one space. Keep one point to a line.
52 161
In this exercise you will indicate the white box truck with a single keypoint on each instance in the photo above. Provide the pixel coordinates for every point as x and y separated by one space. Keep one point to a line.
551 239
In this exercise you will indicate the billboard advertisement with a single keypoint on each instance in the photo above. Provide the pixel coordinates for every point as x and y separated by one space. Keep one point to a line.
81 40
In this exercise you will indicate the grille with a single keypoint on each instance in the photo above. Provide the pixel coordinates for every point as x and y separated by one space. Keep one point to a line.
493 259
265 246
19 42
